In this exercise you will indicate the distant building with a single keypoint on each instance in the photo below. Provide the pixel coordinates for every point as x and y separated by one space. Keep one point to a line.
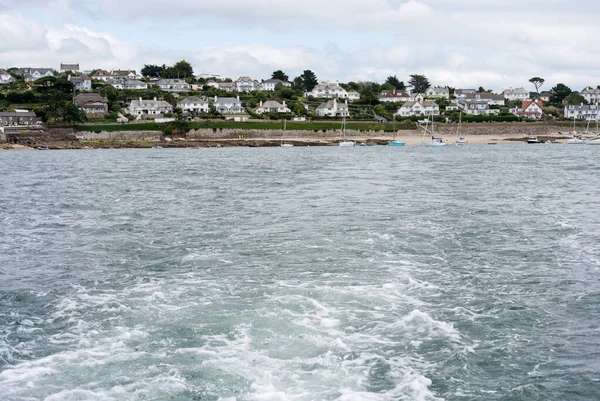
224 86
194 104
582 112
395 95
173 85
419 108
5 77
270 84
462 93
93 104
246 84
478 107
328 90
438 92
229 105
18 118
490 98
545 96
33 74
531 109
516 94
591 95
333 108
103 75
272 106
69 67
82 83
128 84
140 107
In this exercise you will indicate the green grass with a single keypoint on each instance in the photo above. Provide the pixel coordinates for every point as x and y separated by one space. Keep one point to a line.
266 125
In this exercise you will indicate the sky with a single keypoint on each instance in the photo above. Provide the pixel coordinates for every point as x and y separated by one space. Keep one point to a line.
496 44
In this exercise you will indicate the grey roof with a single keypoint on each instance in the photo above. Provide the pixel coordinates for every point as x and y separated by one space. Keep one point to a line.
329 105
225 100
275 81
67 67
150 103
84 98
516 90
42 71
484 95
167 81
17 114
193 99
272 104
393 93
582 107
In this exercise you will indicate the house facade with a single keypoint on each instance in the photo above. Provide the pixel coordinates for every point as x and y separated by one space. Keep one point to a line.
478 107
438 92
18 118
272 106
229 105
490 98
326 90
140 107
531 109
5 77
246 84
333 108
270 84
69 67
173 85
93 104
194 104
516 94
353 95
394 95
106 76
591 95
462 93
582 112
419 108
128 84
33 74
82 83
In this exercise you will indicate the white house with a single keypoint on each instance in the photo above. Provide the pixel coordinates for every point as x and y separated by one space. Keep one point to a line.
272 106
421 108
129 84
270 84
353 95
154 107
33 74
438 92
5 77
173 85
246 84
582 112
490 98
69 67
591 95
394 95
229 105
194 104
462 93
533 109
333 108
516 94
92 104
81 82
328 90
478 107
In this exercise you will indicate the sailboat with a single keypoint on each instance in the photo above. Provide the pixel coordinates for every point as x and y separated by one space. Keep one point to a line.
595 141
344 142
460 140
435 142
576 140
285 145
395 142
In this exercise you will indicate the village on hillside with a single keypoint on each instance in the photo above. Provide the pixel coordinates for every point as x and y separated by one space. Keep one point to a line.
30 96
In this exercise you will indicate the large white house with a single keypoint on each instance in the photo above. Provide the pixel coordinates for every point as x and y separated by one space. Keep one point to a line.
333 108
33 74
438 92
395 95
5 77
140 107
516 94
418 108
272 106
591 95
490 98
103 75
224 86
533 109
462 93
229 105
270 84
194 104
246 84
129 84
92 104
81 82
582 112
478 107
69 67
328 90
173 85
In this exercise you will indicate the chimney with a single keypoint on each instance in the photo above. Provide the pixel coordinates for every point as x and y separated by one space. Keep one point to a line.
216 99
284 104
155 99
238 97
261 103
140 99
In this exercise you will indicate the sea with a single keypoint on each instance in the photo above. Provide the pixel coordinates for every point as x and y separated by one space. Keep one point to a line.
301 274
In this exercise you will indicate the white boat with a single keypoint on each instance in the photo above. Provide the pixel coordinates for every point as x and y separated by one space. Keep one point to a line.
435 142
460 140
344 143
285 145
532 139
575 141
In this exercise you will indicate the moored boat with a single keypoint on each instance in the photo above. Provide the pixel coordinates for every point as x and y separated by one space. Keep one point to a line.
532 140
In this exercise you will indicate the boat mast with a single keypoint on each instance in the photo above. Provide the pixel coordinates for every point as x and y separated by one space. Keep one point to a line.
284 128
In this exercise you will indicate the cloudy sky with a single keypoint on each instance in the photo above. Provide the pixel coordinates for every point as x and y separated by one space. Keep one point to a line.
462 43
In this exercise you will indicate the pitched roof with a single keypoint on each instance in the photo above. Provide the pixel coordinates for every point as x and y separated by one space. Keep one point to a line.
329 105
67 67
142 103
192 99
516 90
84 98
17 114
274 81
225 100
272 104
484 95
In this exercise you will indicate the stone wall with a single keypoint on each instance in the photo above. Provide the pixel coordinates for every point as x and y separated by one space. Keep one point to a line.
120 136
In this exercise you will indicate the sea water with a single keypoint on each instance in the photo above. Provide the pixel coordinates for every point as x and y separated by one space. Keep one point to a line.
349 274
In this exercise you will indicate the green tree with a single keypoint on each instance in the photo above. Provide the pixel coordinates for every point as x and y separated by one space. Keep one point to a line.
387 86
183 69
395 82
537 83
419 83
559 93
72 114
309 80
574 98
280 75
297 84
150 70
